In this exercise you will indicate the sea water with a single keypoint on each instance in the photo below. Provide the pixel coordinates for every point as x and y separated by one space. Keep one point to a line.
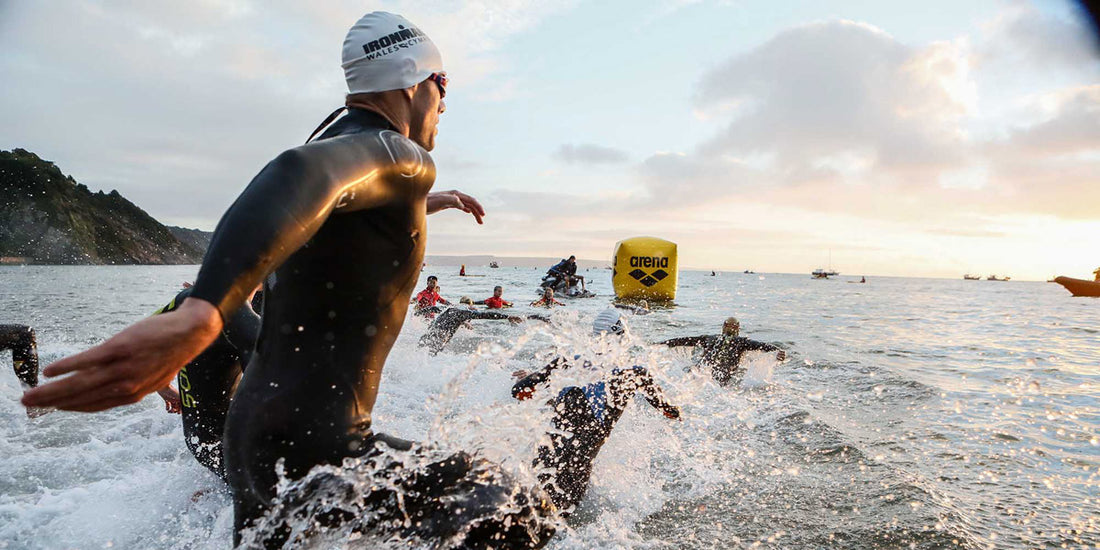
910 413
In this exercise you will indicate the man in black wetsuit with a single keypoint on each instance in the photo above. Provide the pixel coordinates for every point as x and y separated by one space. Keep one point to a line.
24 352
206 384
341 223
444 326
583 419
24 358
722 352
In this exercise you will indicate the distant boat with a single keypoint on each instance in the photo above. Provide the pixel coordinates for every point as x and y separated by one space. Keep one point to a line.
494 264
1081 287
970 277
995 278
749 271
827 272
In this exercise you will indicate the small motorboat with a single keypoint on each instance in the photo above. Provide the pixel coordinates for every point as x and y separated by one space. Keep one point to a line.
1080 287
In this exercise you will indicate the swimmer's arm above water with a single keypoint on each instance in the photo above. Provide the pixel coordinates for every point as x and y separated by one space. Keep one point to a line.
629 381
685 341
753 345
455 199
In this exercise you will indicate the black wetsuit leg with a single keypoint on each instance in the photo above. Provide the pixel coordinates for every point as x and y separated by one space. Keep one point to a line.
568 459
24 351
206 384
413 493
206 389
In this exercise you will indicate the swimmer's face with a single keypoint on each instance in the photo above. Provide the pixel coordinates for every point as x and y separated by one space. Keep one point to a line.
432 283
427 105
731 327
548 293
498 292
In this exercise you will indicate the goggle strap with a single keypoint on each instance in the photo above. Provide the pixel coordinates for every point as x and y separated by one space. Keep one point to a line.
327 121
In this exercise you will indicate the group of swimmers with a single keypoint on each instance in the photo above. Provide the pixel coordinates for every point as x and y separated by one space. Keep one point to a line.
427 302
334 231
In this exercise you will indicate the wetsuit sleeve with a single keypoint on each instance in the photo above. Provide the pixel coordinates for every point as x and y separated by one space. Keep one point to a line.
685 341
290 199
175 303
753 345
626 383
541 376
488 315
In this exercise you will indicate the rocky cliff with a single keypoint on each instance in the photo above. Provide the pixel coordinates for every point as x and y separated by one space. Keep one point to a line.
47 217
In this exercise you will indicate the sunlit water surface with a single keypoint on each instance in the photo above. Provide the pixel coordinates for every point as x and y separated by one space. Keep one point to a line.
911 413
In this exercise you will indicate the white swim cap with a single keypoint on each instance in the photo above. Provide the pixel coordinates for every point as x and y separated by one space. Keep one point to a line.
609 320
383 51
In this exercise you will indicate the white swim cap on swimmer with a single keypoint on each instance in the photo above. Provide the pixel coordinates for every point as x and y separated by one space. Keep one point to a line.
609 320
383 51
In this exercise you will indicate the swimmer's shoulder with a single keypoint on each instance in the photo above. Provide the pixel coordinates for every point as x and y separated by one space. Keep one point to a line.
365 142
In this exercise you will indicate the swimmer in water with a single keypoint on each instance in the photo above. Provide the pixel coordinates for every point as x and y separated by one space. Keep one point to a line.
340 222
21 341
427 299
206 384
444 326
547 300
583 419
722 352
496 301
24 352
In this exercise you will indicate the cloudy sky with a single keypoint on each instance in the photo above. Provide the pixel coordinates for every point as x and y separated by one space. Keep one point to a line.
931 139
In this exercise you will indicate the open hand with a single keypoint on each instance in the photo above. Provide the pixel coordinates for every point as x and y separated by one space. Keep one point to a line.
443 200
141 359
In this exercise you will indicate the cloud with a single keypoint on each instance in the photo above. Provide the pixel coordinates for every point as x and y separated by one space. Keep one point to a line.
167 102
587 153
1022 34
841 96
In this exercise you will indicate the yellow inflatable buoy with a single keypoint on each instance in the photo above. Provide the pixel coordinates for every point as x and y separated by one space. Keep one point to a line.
645 268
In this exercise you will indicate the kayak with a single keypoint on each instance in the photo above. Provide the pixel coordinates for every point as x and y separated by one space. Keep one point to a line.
1079 287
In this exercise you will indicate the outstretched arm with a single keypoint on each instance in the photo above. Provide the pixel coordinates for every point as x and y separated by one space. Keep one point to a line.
753 345
455 199
685 341
625 383
279 211
524 388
